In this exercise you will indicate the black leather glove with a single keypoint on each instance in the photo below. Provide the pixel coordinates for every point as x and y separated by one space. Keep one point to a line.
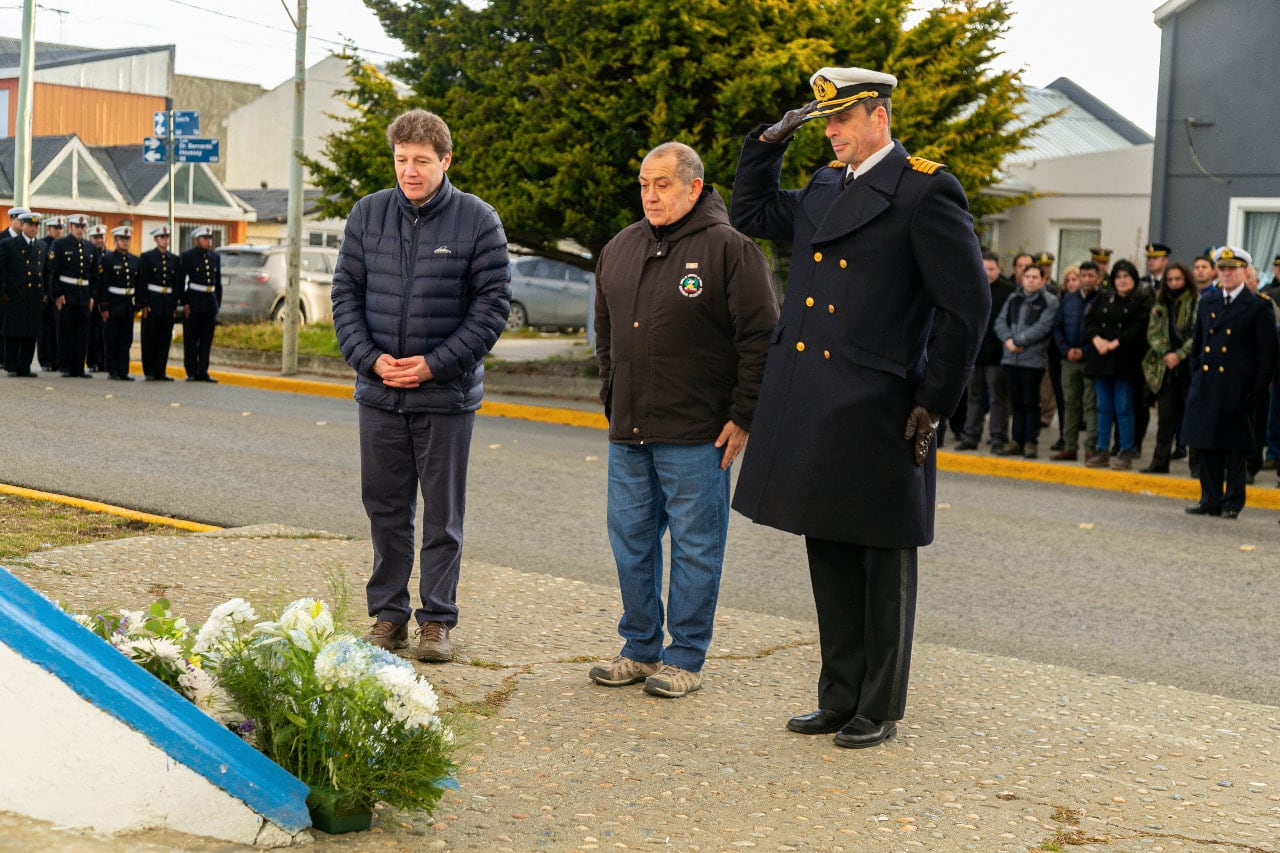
788 123
920 429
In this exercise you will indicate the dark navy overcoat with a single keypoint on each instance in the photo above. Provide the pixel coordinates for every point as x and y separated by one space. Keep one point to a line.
885 307
1233 358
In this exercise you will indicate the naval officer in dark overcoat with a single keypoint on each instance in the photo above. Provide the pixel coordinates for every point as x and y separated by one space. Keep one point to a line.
886 305
1232 359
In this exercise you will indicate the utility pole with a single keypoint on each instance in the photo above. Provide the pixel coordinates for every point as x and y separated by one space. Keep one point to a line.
26 87
289 347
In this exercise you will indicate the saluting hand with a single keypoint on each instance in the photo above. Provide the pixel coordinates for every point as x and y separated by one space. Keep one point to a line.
920 429
787 125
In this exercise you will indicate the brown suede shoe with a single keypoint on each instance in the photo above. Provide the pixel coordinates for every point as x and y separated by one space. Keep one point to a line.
433 643
388 635
1064 456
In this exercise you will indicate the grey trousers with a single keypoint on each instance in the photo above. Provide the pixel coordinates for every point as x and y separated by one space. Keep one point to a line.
987 383
400 452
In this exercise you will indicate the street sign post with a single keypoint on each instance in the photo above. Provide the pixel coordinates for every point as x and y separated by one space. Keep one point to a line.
185 123
197 150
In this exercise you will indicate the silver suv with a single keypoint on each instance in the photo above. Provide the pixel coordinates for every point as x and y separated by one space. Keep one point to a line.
253 283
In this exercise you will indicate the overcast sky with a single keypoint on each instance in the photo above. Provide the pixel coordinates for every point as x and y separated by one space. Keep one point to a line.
1110 47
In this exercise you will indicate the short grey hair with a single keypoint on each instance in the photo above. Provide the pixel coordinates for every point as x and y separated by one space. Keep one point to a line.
688 163
419 127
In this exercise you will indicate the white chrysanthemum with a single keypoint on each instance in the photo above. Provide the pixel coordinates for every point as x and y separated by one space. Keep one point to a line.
411 700
198 686
225 625
446 733
342 663
83 619
155 648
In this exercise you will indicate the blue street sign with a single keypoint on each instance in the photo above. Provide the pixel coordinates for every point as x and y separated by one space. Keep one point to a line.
153 150
191 150
185 123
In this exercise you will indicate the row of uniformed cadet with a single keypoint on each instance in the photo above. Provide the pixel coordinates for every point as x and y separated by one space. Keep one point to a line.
80 284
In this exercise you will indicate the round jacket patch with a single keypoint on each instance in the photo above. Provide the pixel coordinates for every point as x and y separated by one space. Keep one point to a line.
691 285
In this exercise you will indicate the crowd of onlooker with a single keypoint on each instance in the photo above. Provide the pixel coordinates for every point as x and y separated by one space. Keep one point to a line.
1099 349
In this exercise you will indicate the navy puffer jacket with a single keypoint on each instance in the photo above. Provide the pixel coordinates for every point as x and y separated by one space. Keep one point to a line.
430 281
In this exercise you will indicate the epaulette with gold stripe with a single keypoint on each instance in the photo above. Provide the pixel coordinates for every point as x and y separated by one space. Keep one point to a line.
835 164
919 164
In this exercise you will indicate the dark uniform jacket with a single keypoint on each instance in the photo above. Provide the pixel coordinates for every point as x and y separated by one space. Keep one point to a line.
877 266
1115 318
1233 357
115 282
991 352
432 281
202 291
71 266
21 287
159 281
683 317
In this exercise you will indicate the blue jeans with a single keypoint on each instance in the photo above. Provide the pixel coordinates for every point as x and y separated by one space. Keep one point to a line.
654 488
1115 403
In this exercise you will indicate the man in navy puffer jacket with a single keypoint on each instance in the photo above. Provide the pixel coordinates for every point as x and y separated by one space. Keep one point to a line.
421 292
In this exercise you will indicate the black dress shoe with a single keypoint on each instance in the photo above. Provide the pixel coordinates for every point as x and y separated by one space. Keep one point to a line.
819 722
209 379
861 733
1231 513
1200 509
1153 468
163 378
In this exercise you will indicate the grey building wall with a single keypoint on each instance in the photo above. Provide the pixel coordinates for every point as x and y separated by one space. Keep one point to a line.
1218 103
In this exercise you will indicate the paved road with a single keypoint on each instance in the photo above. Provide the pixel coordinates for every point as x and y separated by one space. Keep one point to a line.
1114 583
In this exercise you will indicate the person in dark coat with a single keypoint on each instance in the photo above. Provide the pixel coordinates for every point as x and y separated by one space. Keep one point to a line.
72 262
887 303
421 292
684 309
159 292
202 296
1116 329
1233 358
22 292
96 355
47 345
115 291
986 387
10 232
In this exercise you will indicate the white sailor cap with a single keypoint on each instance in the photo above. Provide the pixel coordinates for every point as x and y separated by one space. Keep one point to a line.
78 219
202 231
160 231
837 89
122 231
55 222
15 212
29 216
1231 256
98 231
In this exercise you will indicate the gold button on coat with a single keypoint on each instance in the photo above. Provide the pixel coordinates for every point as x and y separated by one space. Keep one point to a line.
799 346
826 353
636 324
817 257
843 263
831 309
1222 370
809 302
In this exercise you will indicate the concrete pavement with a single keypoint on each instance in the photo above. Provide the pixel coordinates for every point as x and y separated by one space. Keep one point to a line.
995 754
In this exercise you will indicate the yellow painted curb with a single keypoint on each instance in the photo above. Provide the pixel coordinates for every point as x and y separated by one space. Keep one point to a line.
1169 486
545 414
288 384
96 506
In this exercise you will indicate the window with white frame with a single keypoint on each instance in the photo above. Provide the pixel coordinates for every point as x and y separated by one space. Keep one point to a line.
1253 224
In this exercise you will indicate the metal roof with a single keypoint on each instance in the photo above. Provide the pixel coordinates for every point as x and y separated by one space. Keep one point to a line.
1086 125
49 55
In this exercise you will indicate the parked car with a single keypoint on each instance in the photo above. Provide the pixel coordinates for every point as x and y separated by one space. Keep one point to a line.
547 294
253 283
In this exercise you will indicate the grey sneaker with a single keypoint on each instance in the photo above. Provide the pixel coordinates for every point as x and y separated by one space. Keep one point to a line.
622 671
433 643
1122 461
672 682
388 635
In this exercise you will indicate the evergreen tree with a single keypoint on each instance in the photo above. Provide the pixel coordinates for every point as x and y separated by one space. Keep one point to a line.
553 103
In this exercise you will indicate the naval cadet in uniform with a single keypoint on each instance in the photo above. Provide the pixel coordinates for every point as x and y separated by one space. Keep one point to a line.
47 345
886 306
72 262
115 291
1233 357
159 286
202 271
22 292
95 355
